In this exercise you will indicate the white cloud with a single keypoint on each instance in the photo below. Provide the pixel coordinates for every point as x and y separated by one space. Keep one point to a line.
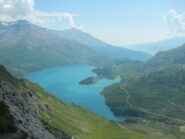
11 10
175 23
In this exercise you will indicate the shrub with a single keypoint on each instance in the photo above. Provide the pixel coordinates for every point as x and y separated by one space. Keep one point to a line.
7 123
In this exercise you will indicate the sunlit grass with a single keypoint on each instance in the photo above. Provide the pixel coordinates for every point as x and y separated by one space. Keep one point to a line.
79 122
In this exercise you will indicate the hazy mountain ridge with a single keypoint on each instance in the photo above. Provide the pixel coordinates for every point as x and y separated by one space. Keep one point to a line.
102 47
167 58
25 47
163 45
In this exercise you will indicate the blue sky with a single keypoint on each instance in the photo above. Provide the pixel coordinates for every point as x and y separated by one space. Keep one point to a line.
115 21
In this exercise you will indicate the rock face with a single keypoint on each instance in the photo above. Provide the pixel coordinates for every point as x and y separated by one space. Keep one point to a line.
25 114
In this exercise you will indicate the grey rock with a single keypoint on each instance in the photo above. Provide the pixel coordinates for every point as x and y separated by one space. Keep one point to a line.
25 112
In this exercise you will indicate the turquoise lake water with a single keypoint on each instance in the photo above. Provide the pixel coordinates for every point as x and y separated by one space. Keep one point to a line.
63 82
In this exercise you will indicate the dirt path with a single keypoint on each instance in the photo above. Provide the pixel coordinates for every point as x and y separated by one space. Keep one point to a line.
146 111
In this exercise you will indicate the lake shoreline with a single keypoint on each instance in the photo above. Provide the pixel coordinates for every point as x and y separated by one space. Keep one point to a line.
63 82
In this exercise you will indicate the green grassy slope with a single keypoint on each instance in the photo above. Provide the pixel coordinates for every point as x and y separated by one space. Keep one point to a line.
166 58
5 75
156 102
161 92
80 122
157 85
156 93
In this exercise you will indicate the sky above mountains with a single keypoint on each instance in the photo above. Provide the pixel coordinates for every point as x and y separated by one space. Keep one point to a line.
115 21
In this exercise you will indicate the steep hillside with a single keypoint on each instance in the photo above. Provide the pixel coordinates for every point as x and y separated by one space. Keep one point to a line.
161 92
167 58
20 109
152 92
37 114
25 47
154 98
158 87
101 46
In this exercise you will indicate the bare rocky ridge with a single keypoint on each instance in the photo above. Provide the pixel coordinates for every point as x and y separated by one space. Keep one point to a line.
25 109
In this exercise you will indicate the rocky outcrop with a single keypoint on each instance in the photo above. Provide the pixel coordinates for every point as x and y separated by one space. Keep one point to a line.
24 107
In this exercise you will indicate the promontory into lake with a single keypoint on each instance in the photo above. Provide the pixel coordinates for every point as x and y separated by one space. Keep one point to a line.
90 80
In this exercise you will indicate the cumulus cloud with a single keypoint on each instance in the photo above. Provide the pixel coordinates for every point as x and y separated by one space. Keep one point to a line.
175 23
12 10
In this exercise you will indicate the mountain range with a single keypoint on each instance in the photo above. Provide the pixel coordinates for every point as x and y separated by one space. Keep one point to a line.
25 47
102 47
174 56
163 45
150 94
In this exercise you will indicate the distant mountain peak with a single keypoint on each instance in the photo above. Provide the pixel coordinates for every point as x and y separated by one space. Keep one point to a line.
6 24
22 22
101 46
14 22
18 24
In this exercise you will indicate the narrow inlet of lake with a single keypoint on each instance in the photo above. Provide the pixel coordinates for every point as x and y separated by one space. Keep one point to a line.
63 82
